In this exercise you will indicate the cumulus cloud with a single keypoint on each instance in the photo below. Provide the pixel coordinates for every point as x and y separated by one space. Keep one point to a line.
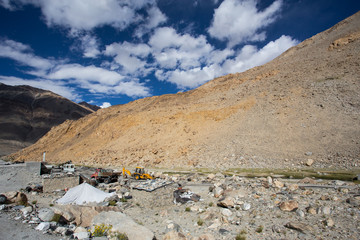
155 18
85 73
171 49
105 105
58 87
23 54
240 21
55 74
249 56
130 57
89 45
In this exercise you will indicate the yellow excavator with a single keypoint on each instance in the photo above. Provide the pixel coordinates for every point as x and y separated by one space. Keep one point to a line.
138 174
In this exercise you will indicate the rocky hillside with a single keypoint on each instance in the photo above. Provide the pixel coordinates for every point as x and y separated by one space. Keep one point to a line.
87 105
27 113
304 104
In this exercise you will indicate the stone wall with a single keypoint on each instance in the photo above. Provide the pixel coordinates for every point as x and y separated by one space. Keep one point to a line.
55 183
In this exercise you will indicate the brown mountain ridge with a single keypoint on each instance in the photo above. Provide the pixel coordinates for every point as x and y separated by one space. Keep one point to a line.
303 104
27 113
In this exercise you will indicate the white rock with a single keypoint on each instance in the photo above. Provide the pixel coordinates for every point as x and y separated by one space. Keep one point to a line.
309 162
246 206
81 235
43 226
226 212
46 214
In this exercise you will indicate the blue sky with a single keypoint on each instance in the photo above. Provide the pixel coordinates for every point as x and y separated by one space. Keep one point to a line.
109 52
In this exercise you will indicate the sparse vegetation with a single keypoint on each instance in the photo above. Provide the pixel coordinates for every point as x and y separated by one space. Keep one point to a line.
119 236
187 209
260 229
101 230
200 222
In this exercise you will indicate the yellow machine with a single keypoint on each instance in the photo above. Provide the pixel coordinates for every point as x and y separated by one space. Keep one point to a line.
139 173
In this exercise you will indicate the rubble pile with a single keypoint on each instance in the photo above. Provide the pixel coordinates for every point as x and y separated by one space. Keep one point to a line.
196 206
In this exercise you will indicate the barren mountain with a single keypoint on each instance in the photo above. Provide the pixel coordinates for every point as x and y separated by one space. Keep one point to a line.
303 104
27 113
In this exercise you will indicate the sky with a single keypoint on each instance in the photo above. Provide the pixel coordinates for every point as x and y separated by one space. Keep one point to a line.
109 52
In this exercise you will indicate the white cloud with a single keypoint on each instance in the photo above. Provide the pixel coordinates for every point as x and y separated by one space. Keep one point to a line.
23 54
155 18
249 56
171 49
85 73
90 46
89 14
58 87
191 78
86 14
105 105
240 21
131 57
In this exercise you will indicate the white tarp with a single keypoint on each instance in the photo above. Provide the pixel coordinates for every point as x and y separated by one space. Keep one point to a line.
83 193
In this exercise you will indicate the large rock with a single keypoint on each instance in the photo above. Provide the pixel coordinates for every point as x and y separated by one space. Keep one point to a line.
206 236
289 206
18 198
298 226
83 214
46 214
124 224
68 216
173 235
227 202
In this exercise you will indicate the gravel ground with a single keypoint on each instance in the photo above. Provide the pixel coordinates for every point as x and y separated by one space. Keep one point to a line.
14 230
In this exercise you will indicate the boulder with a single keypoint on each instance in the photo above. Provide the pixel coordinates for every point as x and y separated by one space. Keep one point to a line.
298 226
206 236
289 206
3 199
81 235
309 162
227 202
43 226
18 198
83 214
46 214
226 212
278 184
26 210
173 235
124 224
218 191
293 187
68 216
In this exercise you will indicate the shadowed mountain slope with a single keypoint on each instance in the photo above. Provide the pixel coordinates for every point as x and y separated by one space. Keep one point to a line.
27 113
303 104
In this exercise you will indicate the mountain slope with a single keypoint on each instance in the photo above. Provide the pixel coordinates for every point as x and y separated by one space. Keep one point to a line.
305 102
27 113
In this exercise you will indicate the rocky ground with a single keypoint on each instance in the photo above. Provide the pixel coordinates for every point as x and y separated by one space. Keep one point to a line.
230 207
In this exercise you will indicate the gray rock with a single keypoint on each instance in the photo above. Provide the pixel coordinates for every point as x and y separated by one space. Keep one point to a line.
46 214
123 223
246 206
300 213
81 235
226 212
298 226
2 199
25 211
43 226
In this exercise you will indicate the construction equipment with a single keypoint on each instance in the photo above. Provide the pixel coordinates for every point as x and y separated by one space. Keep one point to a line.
106 176
139 173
